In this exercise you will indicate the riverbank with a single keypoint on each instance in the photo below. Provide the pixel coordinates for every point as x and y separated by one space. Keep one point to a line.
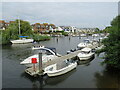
4 40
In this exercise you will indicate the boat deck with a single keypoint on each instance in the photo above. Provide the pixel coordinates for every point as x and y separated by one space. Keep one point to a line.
61 65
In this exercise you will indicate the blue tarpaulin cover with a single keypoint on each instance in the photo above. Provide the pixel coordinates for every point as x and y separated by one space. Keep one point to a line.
23 36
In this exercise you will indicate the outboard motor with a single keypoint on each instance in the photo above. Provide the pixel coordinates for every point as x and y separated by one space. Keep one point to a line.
72 50
68 52
93 50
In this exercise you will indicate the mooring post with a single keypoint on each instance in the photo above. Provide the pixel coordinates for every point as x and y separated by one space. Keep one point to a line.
69 37
57 39
79 36
40 63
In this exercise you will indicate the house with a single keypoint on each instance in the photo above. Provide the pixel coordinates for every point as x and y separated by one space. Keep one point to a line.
71 29
87 30
2 25
45 27
58 29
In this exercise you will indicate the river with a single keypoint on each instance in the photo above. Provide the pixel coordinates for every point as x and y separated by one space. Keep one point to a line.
89 74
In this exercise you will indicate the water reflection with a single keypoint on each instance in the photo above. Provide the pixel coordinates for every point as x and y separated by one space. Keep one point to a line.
85 62
40 82
107 79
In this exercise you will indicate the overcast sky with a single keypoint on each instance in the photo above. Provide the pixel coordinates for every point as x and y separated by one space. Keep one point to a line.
79 14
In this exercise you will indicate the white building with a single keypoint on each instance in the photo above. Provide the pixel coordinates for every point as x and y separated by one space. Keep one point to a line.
69 29
87 30
59 29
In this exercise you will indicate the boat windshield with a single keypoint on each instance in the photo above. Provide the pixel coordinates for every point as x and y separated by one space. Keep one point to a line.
87 41
83 52
53 49
46 52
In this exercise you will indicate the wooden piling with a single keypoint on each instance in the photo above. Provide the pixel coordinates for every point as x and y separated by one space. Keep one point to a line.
40 62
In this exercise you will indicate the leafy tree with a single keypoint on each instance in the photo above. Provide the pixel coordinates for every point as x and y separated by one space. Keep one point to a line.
12 32
112 44
107 29
25 29
97 29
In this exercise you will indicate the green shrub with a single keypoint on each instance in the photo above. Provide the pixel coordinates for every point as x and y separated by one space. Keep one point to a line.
38 37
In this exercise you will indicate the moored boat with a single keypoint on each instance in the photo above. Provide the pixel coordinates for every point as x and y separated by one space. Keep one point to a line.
60 69
22 41
84 44
85 54
47 55
37 47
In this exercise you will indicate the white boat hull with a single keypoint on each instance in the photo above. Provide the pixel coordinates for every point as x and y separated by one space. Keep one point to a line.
45 59
22 41
37 47
85 57
98 48
61 71
81 45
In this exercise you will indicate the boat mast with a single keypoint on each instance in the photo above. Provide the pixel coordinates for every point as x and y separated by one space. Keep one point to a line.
19 25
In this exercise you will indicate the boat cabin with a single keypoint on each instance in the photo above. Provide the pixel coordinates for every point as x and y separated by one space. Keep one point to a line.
87 41
86 50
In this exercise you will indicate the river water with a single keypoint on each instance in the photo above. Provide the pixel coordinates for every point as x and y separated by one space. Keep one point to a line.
89 74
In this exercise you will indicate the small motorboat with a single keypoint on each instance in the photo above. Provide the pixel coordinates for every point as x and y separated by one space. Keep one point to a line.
84 44
95 35
85 54
72 50
83 35
100 47
60 68
47 55
37 47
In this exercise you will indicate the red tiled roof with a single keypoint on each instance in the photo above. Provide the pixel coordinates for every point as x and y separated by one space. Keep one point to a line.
45 23
37 23
2 21
12 21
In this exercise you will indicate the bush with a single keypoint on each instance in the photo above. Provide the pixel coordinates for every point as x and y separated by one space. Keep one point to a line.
65 33
112 45
38 37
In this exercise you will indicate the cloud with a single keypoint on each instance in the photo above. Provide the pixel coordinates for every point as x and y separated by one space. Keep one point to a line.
60 0
89 14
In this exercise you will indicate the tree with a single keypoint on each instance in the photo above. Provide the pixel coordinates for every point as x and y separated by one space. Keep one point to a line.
12 32
112 44
25 29
97 29
107 29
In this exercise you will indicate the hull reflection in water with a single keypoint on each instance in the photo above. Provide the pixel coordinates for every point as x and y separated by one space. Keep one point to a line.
42 81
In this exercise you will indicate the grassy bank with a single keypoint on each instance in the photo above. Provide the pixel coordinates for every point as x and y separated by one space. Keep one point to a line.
38 37
5 38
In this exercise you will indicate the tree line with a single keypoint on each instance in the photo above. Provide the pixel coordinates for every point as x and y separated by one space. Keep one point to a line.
112 44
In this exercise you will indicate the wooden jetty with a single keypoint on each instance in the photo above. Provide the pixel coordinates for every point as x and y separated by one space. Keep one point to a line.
33 72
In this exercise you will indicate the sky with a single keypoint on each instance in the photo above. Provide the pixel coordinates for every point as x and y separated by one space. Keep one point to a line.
78 14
